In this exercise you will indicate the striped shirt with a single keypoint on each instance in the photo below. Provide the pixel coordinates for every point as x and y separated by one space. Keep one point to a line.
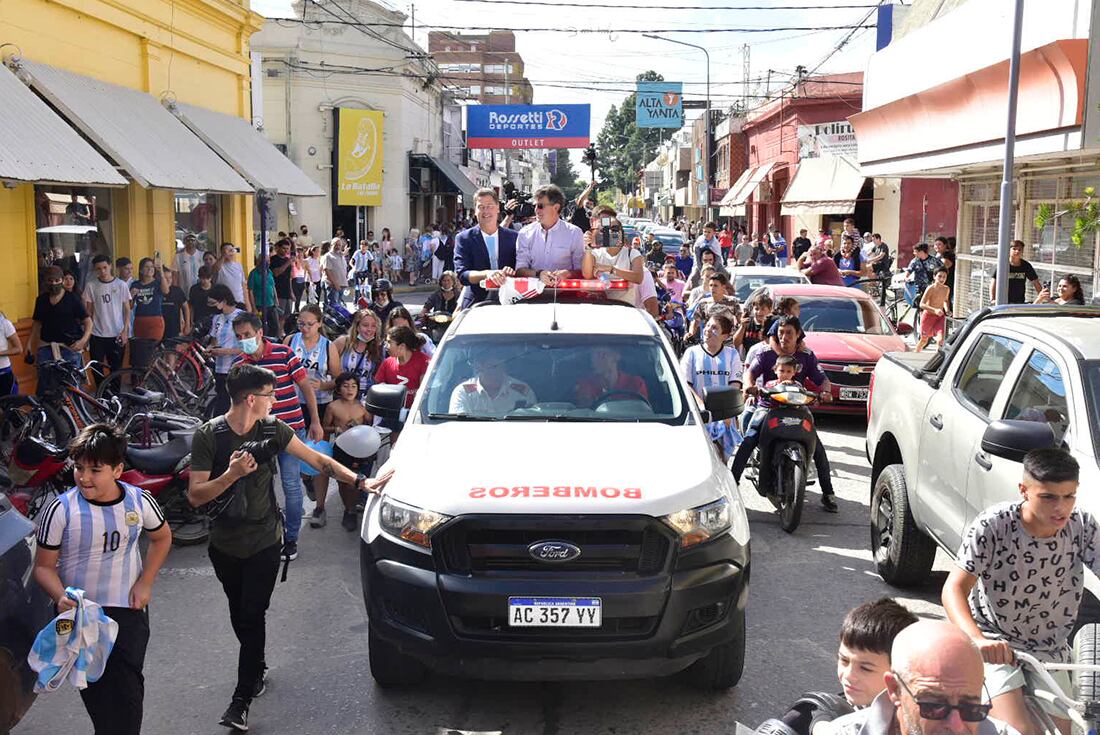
288 370
702 370
99 541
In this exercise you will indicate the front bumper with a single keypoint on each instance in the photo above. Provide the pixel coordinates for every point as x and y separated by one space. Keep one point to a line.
654 624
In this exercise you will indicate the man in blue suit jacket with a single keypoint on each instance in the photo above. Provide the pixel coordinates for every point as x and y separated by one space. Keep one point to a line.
484 250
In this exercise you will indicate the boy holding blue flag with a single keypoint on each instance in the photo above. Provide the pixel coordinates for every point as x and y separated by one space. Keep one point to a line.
88 539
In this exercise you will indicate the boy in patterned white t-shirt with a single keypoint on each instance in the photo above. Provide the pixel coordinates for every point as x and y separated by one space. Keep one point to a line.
88 538
1019 580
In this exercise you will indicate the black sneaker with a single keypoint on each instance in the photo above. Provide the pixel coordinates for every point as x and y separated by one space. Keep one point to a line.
828 502
261 684
290 551
236 716
317 519
349 521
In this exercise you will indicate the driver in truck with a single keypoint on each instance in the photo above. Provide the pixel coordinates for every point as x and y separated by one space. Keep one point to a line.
1019 581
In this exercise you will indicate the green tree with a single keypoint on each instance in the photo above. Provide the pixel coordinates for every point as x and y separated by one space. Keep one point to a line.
565 177
624 148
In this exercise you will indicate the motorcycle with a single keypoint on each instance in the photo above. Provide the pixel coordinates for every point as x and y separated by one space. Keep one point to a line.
787 439
436 324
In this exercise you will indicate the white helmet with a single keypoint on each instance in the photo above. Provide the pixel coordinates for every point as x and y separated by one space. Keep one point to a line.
358 443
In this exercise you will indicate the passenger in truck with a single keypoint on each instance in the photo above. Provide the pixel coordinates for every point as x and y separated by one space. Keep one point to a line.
608 380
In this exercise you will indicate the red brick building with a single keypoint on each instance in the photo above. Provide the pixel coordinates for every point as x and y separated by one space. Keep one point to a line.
485 67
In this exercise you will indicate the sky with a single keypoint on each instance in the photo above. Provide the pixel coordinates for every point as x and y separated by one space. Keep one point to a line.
600 68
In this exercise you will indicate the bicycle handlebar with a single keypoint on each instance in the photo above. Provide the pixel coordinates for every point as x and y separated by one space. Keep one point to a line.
1051 692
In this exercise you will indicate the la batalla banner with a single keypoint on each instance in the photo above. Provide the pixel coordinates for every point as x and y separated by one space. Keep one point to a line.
358 158
528 126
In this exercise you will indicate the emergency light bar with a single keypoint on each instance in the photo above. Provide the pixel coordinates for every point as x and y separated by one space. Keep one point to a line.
590 284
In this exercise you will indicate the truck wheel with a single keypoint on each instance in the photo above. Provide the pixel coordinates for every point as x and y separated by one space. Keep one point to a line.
722 667
903 554
390 667
1086 650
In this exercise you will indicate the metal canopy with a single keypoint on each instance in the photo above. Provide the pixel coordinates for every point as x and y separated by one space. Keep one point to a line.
147 141
453 174
38 146
247 150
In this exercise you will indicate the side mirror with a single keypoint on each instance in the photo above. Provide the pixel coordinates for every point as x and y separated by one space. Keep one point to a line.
1011 440
723 403
904 329
388 403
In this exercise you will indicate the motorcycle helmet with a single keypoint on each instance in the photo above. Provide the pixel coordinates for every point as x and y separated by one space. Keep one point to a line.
383 285
357 447
323 447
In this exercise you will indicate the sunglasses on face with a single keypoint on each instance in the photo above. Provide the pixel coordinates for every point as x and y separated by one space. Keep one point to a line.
968 711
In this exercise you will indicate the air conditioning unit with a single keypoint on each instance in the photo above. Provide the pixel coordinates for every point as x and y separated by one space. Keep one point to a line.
273 73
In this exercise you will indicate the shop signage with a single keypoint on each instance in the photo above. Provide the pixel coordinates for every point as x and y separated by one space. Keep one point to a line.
659 105
358 158
528 126
827 139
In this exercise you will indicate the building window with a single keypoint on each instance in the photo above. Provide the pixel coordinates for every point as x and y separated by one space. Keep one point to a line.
73 226
459 68
499 69
197 214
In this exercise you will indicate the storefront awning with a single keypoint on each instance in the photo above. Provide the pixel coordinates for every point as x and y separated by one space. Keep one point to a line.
825 185
452 173
727 200
39 146
247 150
749 187
132 128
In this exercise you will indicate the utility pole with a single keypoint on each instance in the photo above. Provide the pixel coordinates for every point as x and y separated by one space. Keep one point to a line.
745 76
1007 214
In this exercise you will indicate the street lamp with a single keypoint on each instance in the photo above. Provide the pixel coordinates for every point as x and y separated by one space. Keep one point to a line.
706 162
1007 182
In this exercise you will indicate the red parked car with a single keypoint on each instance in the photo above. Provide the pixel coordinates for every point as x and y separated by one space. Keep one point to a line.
848 332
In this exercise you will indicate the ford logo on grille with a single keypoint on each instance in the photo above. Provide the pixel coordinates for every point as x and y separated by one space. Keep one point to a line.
553 552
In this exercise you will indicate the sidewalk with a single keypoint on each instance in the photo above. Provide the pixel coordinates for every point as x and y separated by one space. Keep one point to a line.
421 288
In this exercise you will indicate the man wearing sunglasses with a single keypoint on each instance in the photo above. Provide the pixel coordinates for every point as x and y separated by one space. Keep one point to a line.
550 248
934 688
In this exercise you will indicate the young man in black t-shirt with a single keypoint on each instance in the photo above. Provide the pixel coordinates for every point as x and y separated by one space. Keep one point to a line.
1020 273
60 318
280 269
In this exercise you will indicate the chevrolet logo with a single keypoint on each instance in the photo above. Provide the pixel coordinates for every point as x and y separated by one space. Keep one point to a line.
857 369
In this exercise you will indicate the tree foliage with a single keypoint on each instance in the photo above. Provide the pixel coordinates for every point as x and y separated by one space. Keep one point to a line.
565 177
624 149
1085 215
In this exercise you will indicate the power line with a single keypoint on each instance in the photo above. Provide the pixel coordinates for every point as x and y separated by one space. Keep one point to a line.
546 3
576 31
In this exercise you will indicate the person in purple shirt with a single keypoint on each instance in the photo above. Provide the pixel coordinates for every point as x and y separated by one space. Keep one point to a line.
787 343
822 270
684 262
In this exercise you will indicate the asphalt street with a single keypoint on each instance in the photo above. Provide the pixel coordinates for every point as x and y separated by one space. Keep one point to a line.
802 584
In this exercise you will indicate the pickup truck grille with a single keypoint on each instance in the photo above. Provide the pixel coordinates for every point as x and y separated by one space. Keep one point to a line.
612 629
839 375
609 544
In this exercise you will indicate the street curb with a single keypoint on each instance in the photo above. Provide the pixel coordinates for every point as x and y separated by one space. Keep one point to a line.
414 289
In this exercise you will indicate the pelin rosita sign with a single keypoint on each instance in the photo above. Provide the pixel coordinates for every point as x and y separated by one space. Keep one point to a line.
358 158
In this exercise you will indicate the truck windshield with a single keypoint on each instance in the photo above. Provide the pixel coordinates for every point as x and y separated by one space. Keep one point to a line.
1090 371
821 314
553 378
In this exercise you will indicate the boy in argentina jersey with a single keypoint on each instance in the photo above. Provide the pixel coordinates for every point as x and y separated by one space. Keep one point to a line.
1019 581
88 538
713 364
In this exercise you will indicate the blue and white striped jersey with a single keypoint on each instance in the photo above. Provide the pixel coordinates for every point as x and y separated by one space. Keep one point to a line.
98 542
702 370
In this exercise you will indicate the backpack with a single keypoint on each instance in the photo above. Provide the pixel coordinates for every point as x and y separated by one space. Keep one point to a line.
231 507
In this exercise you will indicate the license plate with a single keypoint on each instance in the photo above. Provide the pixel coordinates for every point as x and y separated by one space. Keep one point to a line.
855 394
555 612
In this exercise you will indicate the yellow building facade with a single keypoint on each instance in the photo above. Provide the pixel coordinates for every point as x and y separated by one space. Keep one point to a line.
193 51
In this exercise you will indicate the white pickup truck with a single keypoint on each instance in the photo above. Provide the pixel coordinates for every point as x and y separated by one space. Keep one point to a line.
946 434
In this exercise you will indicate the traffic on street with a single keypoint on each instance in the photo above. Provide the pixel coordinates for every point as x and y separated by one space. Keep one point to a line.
462 368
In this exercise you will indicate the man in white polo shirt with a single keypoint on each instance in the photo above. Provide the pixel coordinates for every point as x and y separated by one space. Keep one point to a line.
550 248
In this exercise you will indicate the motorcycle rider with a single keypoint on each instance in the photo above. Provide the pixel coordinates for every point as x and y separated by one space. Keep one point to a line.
383 302
787 343
445 298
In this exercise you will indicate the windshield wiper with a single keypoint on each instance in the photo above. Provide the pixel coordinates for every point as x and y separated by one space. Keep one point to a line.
560 419
462 417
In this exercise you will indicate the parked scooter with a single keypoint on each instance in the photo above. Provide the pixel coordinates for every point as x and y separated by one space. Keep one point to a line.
780 464
436 324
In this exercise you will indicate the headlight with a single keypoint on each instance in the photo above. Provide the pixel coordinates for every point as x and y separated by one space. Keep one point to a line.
409 523
697 525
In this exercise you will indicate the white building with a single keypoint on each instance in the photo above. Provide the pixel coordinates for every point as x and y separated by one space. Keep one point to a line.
310 70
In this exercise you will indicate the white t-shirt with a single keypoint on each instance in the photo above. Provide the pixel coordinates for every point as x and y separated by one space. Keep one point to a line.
7 329
188 268
622 261
232 275
313 265
108 305
335 264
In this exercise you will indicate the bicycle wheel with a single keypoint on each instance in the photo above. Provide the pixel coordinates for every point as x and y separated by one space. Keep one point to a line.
121 382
